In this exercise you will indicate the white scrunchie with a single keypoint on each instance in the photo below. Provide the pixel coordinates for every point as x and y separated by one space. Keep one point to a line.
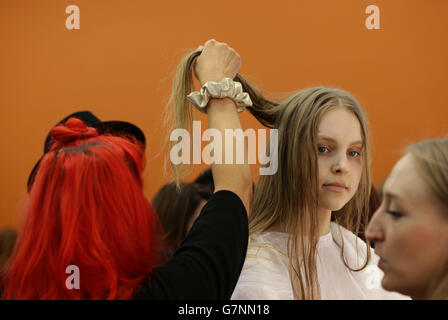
227 88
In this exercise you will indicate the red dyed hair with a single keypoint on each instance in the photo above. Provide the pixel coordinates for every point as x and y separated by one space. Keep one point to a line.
86 208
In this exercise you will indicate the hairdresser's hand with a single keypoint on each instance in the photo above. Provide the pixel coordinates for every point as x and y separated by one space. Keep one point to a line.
217 61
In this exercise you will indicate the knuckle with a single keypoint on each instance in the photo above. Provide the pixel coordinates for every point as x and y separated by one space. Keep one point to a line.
211 42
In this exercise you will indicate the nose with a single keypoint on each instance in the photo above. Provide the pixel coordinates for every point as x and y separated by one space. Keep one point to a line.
340 164
374 230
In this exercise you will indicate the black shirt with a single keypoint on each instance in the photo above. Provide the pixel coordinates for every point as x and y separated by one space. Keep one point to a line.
209 261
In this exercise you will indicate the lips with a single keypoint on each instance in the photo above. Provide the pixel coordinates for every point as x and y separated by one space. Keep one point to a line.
335 186
381 261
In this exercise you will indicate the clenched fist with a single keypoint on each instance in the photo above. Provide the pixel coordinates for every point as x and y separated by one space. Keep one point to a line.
217 61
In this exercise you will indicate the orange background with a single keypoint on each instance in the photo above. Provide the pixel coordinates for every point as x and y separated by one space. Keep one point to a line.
119 65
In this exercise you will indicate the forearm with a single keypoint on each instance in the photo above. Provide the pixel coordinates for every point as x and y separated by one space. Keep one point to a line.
222 115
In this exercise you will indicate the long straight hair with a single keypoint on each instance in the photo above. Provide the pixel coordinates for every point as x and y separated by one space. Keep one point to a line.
86 208
290 196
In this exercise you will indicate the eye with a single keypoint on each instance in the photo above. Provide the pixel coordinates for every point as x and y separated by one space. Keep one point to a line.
354 154
322 149
394 214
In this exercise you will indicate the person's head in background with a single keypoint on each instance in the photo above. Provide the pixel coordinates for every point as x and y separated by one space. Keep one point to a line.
7 241
205 181
86 208
410 229
177 208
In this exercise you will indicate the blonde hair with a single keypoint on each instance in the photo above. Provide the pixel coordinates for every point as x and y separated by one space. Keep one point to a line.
179 111
293 189
432 158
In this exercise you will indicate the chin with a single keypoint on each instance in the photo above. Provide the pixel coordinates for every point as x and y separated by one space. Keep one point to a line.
388 284
333 202
333 205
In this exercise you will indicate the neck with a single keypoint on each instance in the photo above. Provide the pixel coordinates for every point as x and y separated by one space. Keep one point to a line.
420 296
324 223
436 288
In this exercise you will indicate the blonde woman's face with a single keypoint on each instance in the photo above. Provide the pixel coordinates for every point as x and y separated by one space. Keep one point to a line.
410 233
339 154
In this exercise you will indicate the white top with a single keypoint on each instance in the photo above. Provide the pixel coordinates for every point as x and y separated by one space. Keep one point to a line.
265 273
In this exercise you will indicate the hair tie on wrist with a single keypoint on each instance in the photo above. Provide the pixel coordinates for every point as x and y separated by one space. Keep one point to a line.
226 88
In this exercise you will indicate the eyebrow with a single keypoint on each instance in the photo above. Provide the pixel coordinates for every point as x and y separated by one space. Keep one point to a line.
334 141
393 196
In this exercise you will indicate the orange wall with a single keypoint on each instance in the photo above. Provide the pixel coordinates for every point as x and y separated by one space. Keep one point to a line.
119 65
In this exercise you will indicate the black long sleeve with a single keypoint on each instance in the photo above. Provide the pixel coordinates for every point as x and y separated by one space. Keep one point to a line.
209 261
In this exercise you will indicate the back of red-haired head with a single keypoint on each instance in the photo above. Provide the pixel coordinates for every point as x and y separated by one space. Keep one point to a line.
86 208
73 129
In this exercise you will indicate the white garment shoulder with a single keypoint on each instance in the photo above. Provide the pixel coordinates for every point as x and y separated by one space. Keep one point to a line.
355 252
265 273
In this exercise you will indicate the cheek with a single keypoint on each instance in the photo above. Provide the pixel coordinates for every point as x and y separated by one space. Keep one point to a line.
323 164
354 178
425 246
356 172
409 253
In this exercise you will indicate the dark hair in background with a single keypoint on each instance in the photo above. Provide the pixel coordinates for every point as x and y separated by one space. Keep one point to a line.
374 204
8 238
175 206
205 180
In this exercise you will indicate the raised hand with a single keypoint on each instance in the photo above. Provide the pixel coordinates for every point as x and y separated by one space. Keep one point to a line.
217 61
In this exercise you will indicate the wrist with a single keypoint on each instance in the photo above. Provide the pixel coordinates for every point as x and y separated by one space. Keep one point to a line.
226 88
214 78
221 104
223 109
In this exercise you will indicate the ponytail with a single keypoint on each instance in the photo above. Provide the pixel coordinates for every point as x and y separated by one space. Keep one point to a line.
179 113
